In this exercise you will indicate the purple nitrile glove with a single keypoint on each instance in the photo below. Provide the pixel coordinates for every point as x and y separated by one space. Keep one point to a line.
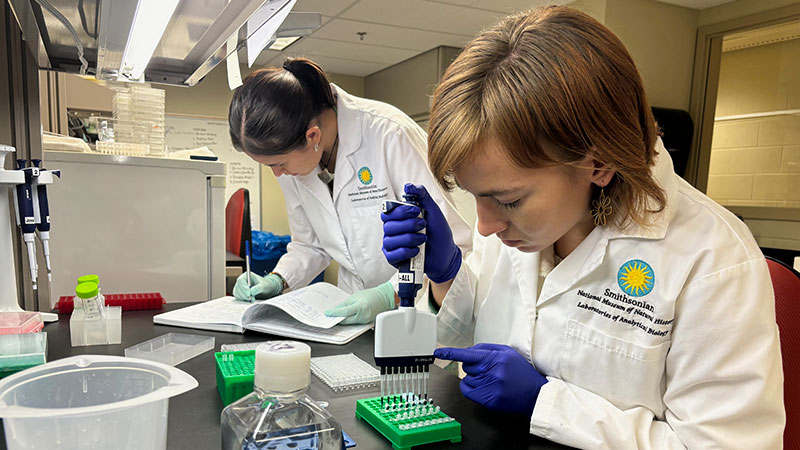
401 239
498 377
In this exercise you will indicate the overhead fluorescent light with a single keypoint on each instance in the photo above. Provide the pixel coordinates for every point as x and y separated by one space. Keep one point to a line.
149 23
282 43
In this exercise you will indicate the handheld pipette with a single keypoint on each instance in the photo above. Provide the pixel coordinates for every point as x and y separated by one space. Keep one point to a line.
44 221
406 337
247 263
23 194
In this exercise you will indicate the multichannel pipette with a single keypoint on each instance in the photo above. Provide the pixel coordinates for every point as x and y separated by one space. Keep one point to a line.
405 338
23 196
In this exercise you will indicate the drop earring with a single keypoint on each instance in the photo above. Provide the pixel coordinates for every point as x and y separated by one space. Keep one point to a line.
601 208
316 148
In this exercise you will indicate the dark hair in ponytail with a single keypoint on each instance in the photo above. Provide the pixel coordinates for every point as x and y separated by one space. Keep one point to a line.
271 111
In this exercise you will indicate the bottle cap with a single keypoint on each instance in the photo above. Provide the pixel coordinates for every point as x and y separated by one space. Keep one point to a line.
282 366
89 279
86 290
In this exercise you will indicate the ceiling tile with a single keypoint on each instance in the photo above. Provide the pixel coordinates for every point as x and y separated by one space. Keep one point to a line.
466 21
456 2
696 4
326 7
388 36
353 51
405 13
504 6
345 66
515 6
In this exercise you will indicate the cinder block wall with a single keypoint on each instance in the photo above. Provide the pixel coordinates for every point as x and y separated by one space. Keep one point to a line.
756 161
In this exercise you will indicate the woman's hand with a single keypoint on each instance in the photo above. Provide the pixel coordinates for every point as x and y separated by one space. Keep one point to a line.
401 237
262 287
363 306
498 377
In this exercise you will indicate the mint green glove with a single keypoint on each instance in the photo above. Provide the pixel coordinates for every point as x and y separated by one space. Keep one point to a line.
363 306
262 288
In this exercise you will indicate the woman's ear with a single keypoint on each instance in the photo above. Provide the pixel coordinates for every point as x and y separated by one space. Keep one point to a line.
313 135
602 173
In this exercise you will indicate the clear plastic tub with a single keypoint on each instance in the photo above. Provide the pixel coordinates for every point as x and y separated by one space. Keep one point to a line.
20 322
96 330
21 351
91 402
172 348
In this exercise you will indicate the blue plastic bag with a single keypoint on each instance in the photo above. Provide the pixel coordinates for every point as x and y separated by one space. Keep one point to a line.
266 245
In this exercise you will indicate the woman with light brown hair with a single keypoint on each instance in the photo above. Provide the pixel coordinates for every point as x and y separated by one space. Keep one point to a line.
606 298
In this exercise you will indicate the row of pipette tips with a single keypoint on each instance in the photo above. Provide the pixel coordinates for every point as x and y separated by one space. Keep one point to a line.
405 401
398 381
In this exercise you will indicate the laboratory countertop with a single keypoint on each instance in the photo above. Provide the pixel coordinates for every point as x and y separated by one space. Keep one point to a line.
194 416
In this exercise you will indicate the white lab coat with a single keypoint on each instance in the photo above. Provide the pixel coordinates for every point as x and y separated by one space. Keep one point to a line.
694 363
389 150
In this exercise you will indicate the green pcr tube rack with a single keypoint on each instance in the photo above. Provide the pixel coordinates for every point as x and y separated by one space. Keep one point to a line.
235 374
408 423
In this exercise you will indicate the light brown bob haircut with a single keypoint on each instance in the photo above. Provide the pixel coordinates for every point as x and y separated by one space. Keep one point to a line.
555 75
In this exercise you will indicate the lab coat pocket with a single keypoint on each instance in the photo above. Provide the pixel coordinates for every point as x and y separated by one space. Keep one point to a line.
368 227
625 373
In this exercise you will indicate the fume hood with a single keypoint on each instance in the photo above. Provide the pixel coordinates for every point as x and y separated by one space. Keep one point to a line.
187 38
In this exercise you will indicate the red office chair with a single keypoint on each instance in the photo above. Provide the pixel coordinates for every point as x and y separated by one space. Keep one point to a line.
786 283
237 222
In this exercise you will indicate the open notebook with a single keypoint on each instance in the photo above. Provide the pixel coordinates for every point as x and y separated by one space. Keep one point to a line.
298 314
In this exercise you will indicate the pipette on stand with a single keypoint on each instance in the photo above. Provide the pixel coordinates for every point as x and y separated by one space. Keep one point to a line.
43 224
23 198
405 338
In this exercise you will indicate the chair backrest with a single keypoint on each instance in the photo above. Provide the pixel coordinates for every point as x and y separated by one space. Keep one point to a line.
678 129
786 284
237 222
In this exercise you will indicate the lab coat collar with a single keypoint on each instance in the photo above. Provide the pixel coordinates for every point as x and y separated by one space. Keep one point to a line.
348 121
665 176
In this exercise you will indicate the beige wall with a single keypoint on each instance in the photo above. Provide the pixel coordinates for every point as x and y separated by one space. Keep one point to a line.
739 8
594 8
409 85
756 161
661 40
87 94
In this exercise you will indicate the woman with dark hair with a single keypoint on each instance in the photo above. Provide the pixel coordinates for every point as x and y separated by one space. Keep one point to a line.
337 158
606 299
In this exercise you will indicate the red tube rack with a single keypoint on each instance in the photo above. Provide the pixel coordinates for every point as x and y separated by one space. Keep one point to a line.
128 302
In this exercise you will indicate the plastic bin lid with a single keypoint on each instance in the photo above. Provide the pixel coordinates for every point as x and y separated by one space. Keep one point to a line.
20 322
178 382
